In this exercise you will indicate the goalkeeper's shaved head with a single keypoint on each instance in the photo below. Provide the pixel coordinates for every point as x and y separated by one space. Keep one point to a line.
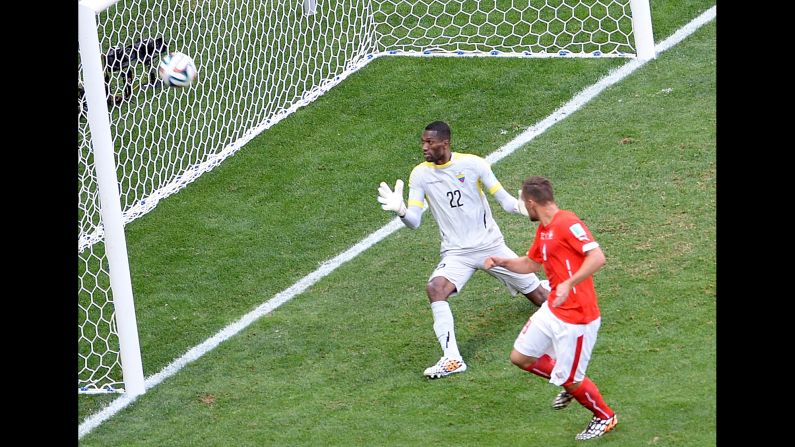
441 128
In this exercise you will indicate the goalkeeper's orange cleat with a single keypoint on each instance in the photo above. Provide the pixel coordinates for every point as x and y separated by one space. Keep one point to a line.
444 367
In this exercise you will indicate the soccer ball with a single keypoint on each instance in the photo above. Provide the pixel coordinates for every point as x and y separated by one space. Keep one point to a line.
177 69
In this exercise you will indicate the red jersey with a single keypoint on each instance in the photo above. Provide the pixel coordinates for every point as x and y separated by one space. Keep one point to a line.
560 247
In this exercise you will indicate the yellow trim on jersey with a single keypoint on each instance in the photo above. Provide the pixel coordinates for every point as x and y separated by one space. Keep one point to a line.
431 164
453 156
493 190
418 203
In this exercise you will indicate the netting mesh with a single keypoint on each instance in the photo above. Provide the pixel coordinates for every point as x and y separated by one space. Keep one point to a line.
257 62
513 27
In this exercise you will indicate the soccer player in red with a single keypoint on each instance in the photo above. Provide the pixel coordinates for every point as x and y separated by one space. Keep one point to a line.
558 339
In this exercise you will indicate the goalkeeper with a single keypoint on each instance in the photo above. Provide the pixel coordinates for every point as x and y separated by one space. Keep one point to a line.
453 183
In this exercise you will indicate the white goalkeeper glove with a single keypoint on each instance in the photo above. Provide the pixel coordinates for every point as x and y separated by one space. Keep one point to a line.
520 205
392 201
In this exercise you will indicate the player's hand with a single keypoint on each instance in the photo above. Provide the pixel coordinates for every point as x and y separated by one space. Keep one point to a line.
489 262
561 293
392 201
520 208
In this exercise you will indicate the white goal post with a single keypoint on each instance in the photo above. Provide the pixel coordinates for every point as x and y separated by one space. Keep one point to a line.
258 61
109 204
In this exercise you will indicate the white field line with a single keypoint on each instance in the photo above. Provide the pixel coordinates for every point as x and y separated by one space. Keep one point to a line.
329 266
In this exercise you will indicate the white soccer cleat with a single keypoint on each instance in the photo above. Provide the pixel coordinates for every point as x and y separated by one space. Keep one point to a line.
444 367
597 427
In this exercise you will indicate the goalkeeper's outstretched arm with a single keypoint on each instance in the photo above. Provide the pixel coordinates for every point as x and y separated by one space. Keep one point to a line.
411 216
510 203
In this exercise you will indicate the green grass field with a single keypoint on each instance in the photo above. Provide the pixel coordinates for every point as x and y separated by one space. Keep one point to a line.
342 363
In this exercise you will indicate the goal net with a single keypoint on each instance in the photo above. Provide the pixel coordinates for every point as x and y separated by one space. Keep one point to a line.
257 63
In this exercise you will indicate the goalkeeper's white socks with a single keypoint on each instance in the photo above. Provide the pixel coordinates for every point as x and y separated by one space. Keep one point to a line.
443 326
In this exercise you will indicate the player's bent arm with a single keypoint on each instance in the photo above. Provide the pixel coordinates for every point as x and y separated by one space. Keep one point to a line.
522 264
594 260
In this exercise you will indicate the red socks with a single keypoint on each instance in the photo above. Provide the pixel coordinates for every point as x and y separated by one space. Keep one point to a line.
588 396
542 367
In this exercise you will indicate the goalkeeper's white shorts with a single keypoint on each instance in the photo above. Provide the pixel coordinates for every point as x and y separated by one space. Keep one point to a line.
458 268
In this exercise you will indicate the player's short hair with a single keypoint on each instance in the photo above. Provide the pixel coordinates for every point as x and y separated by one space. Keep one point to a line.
538 189
441 128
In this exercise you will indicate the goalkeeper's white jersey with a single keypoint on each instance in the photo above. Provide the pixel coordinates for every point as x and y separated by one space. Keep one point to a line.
454 192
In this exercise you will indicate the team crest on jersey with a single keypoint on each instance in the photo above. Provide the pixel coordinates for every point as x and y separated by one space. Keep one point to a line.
579 232
547 235
460 176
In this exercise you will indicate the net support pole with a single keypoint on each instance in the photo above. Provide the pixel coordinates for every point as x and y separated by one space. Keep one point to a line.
108 185
641 28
